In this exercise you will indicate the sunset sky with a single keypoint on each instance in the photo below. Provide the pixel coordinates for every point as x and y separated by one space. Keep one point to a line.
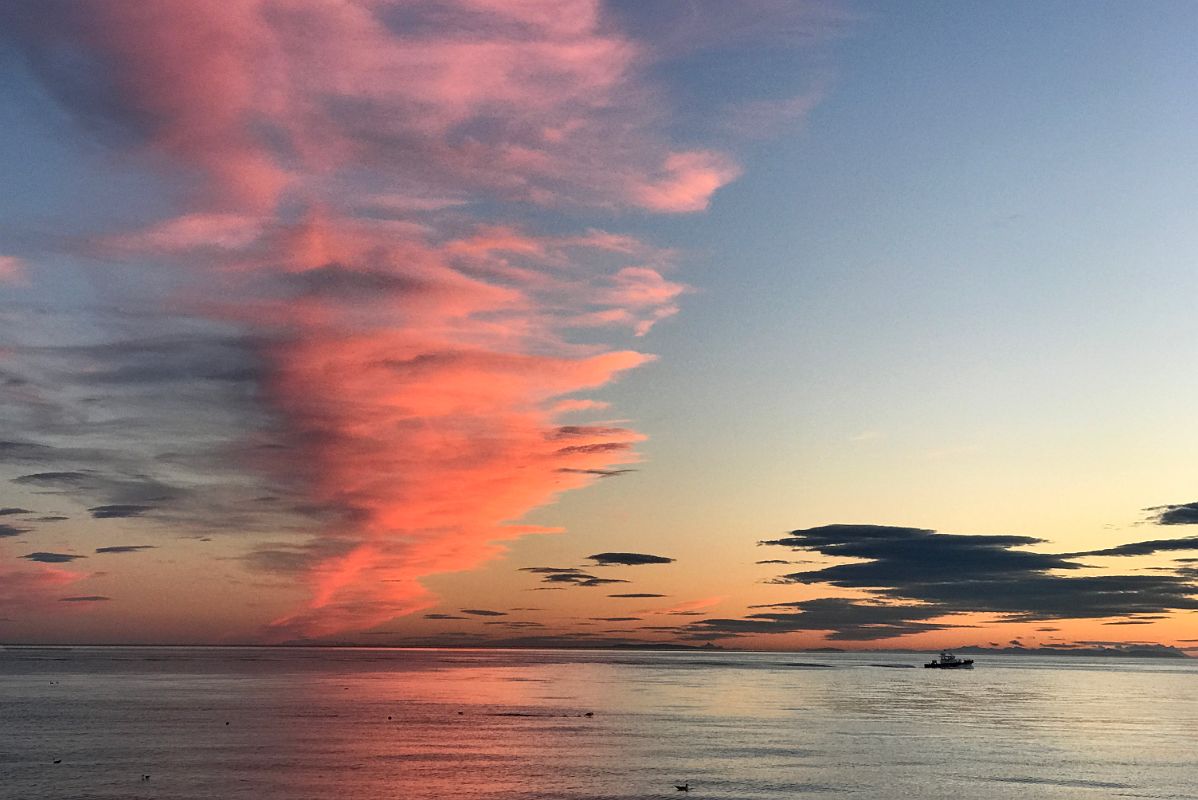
769 324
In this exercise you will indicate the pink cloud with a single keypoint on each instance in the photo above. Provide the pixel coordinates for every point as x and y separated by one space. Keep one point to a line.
419 359
12 269
200 231
685 182
34 588
540 101
693 605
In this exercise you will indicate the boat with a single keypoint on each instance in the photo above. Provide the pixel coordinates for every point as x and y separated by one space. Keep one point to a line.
948 661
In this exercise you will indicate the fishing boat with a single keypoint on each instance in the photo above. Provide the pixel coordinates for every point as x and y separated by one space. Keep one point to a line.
948 661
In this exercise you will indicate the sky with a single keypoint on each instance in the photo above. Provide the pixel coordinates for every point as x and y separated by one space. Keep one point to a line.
771 325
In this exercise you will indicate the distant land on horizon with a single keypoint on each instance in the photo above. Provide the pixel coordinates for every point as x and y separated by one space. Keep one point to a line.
1126 651
1133 651
1118 651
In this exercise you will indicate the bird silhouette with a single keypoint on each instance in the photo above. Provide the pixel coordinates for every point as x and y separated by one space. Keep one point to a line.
683 787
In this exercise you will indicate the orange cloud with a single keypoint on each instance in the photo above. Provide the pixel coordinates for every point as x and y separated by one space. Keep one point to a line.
692 605
33 588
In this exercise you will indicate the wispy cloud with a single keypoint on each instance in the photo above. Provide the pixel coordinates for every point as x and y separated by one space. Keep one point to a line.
119 511
1145 548
34 587
1180 514
386 343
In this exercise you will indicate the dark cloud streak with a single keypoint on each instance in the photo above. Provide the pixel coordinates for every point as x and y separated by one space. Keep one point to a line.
119 511
628 559
51 558
1180 514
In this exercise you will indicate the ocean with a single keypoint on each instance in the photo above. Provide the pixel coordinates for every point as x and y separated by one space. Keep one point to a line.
358 724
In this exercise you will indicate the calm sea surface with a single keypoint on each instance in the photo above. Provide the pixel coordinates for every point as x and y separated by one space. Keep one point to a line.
270 724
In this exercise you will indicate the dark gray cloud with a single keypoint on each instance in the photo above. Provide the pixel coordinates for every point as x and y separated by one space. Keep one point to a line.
570 575
840 618
628 559
1180 514
128 407
51 558
637 594
1144 548
7 531
88 598
54 479
582 579
11 510
914 555
774 561
21 452
602 473
50 518
615 619
125 548
127 491
119 511
442 616
168 358
482 612
1046 597
956 573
